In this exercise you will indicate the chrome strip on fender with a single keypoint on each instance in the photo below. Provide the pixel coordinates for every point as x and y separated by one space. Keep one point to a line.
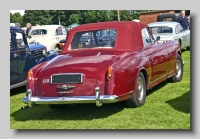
161 77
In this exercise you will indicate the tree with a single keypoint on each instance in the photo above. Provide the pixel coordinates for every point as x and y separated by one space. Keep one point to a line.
37 16
125 15
16 17
74 18
187 12
113 15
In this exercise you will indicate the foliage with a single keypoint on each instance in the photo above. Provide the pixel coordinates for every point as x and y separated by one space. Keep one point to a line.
16 17
41 17
68 17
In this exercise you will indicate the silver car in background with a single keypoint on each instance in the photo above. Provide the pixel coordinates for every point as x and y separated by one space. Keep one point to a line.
168 30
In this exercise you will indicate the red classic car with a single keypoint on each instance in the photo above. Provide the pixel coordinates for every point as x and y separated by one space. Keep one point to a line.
120 68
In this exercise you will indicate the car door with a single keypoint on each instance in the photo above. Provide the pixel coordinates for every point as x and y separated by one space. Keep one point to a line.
13 60
21 54
159 59
186 35
38 36
182 35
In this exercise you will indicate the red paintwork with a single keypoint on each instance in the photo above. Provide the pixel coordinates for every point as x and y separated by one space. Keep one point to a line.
127 58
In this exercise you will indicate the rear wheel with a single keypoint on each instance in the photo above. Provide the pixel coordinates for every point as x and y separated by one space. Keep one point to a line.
139 96
179 41
177 77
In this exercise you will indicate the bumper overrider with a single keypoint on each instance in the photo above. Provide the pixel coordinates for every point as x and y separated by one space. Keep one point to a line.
98 99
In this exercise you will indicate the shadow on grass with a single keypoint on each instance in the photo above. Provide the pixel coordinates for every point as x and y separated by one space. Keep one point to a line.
18 90
68 112
181 103
184 50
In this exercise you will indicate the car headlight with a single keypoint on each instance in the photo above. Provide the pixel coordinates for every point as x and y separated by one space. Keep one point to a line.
44 52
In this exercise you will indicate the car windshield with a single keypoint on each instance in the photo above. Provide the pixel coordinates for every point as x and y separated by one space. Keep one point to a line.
156 30
94 39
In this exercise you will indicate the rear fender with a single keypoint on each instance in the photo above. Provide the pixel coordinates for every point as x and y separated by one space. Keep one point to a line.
124 77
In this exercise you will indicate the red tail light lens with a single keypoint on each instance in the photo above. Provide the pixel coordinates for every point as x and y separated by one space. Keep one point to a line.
29 76
109 74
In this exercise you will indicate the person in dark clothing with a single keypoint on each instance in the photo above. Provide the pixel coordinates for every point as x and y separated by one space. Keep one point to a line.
28 27
183 20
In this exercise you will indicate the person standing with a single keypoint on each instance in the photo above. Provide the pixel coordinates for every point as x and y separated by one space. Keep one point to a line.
28 27
17 24
183 20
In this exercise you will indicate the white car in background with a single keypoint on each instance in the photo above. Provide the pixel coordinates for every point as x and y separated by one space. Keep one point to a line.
47 35
169 30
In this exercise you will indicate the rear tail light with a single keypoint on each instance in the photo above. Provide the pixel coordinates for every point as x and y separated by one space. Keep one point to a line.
29 76
109 74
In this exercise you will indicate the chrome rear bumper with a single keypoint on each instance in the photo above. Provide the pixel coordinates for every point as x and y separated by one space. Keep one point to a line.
98 99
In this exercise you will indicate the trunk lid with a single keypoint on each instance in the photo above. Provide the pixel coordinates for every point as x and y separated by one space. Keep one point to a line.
87 63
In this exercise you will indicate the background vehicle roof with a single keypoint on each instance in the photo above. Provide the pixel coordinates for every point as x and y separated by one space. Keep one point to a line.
164 23
129 24
47 26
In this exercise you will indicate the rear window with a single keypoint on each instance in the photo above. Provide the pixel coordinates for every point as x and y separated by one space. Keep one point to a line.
61 31
167 19
156 30
94 39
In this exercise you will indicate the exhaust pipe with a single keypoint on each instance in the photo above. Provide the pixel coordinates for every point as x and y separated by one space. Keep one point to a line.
24 107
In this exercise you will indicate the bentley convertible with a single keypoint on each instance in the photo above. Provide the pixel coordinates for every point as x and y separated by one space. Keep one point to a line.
119 69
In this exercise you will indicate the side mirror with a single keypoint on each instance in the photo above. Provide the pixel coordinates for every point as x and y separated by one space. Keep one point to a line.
157 38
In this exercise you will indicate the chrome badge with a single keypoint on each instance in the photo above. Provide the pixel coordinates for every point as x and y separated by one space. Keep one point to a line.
65 87
45 81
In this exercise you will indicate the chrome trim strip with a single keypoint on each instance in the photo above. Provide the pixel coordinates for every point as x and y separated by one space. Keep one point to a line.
18 84
65 87
69 99
98 53
98 97
161 77
68 74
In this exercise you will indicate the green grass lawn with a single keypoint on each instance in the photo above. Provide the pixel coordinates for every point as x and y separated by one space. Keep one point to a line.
167 106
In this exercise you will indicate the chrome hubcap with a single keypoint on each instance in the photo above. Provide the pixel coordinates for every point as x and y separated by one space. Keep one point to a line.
178 68
140 88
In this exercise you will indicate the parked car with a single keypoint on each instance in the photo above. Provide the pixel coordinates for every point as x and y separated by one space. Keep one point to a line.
170 17
48 35
171 30
105 73
22 56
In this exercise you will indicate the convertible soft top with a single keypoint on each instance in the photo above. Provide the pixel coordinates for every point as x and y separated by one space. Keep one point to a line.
129 36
